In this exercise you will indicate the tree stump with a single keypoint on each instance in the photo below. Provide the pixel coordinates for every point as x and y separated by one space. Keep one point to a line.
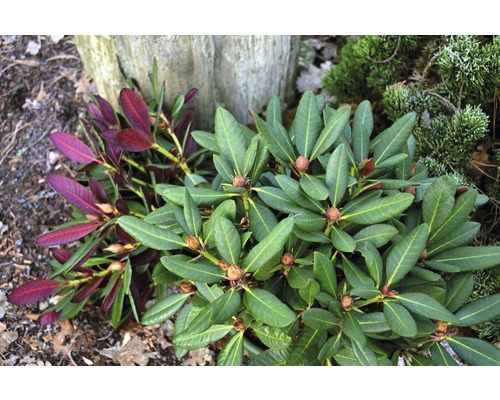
234 72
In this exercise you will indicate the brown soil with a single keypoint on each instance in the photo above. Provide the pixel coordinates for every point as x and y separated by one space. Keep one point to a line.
43 90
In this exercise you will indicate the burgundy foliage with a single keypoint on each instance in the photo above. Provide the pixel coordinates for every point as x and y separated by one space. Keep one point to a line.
33 291
87 290
49 317
136 110
72 147
62 255
98 191
75 193
107 110
134 140
110 298
66 235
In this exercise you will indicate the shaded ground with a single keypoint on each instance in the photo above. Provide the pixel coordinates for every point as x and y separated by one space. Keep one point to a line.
43 90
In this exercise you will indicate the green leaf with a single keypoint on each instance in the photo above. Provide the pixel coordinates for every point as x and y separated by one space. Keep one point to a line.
377 234
337 174
309 221
306 124
460 212
164 309
352 329
309 292
378 210
150 235
267 308
274 338
331 346
201 271
188 340
294 192
462 236
313 237
250 156
342 241
202 197
278 200
333 129
314 187
405 254
232 353
365 292
227 240
392 161
273 111
223 168
392 140
374 322
192 214
298 277
364 354
226 209
161 216
438 202
270 358
470 258
458 290
270 246
261 159
362 127
373 261
399 319
231 143
317 318
479 311
206 140
211 293
475 351
324 273
225 307
262 220
426 306
306 347
277 140
354 274
440 357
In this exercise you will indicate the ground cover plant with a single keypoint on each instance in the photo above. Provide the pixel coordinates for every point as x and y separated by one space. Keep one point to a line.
326 244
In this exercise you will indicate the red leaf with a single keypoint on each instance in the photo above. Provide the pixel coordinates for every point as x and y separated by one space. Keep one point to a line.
49 317
66 235
110 298
190 96
107 110
136 110
75 193
72 147
123 236
62 255
109 135
134 140
97 115
87 290
33 291
98 191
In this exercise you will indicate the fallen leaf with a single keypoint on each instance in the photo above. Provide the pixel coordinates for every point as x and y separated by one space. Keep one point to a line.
42 94
133 352
199 357
66 330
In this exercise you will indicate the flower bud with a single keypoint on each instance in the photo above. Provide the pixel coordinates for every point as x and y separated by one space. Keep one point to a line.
239 181
115 248
441 326
239 325
193 242
106 208
410 189
333 214
302 164
93 218
116 266
223 265
346 302
287 259
235 273
186 287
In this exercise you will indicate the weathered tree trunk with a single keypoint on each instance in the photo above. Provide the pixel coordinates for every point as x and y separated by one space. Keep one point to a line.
235 72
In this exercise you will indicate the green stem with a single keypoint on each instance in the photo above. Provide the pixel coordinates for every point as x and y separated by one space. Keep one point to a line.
133 163
370 301
75 282
206 254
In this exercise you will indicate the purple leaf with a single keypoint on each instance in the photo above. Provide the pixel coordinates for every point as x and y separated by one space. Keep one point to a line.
62 255
110 298
96 113
33 291
78 265
145 257
136 110
113 152
87 290
134 140
109 135
136 295
107 110
72 147
123 236
66 235
98 191
49 317
190 96
75 193
121 205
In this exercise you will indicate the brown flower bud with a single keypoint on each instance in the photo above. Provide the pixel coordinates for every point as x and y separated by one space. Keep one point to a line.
115 248
223 265
93 218
239 181
410 189
106 208
287 259
235 273
116 266
239 325
302 164
186 287
333 214
346 302
193 242
441 326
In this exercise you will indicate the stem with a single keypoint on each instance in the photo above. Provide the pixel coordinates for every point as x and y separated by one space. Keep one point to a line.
75 282
370 301
166 153
172 134
206 254
133 163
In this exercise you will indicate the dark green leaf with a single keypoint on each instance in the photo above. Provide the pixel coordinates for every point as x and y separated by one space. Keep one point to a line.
374 322
117 309
227 240
324 273
188 340
373 261
342 241
364 354
161 216
274 338
426 306
226 209
262 220
475 351
352 329
458 290
479 311
378 234
440 357
362 127
331 346
309 292
333 129
205 139
365 292
392 140
355 275
232 353
267 308
438 202
278 200
223 168
211 293
313 237
231 143
306 347
294 192
192 214
164 309
250 156
314 187
277 140
201 271
399 319
462 236
309 221
318 318
273 111
337 174
470 258
225 307
201 196
306 124
298 277
270 358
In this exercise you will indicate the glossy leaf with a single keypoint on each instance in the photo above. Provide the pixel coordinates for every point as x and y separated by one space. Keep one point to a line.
438 202
355 275
72 147
399 319
232 353
306 347
192 214
405 254
470 258
135 109
278 200
262 220
227 240
87 290
309 221
295 193
66 235
337 175
134 140
33 291
475 351
164 309
225 307
377 234
150 235
309 291
462 236
201 271
298 277
270 246
364 354
250 156
441 357
392 140
342 241
77 194
318 318
270 357
314 187
479 311
324 273
267 308
277 140
373 261
422 304
458 290
205 140
331 346
333 129
306 125
231 143
273 111
374 322
378 210
189 340
223 168
352 329
227 209
201 196
362 127
274 338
